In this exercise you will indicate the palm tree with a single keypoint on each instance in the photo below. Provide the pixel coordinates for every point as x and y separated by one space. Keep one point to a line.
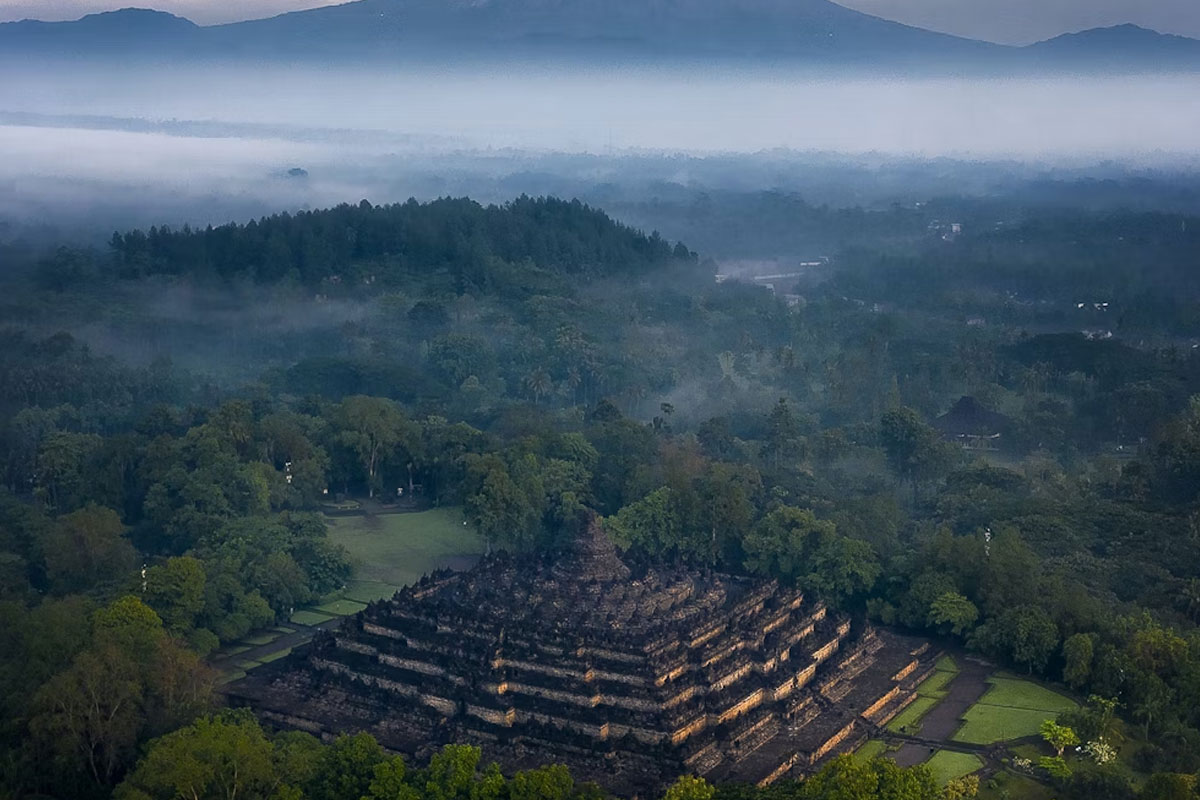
538 383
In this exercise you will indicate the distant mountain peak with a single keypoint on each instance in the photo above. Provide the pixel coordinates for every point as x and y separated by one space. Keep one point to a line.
1122 43
1125 32
817 32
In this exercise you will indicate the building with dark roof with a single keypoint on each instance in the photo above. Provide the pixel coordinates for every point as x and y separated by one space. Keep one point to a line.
972 425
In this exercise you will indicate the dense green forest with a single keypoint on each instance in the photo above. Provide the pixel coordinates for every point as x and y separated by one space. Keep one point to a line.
175 411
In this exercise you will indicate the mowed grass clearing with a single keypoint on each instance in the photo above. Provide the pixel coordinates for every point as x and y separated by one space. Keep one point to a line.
909 717
278 654
1011 709
871 749
947 765
389 551
341 607
935 684
306 617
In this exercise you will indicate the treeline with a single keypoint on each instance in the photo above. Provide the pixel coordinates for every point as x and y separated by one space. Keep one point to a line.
458 237
83 686
1126 272
1087 576
713 424
230 755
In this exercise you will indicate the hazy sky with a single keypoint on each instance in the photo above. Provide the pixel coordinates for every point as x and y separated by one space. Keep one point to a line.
1010 21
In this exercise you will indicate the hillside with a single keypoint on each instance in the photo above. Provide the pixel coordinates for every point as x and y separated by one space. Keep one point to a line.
811 32
1119 45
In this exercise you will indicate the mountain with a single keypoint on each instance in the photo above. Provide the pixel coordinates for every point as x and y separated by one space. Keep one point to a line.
1120 46
809 31
107 33
770 28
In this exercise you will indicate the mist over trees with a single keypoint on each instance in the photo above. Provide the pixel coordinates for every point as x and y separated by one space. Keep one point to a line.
528 360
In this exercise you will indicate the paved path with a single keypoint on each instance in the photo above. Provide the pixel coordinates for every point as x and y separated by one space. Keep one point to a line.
940 723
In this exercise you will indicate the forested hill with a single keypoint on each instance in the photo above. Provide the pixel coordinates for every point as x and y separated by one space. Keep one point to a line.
472 244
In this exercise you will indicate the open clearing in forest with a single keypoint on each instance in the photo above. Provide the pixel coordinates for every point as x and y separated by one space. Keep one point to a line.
1011 708
388 551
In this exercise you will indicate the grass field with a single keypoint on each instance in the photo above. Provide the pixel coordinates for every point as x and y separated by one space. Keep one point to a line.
907 720
946 765
305 617
1017 693
278 654
872 749
935 684
1011 709
340 608
389 551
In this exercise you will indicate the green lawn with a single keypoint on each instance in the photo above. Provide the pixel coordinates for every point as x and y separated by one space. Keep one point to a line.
278 654
388 551
366 591
984 724
908 718
1010 709
946 765
872 749
305 617
1017 693
340 608
260 638
946 664
935 684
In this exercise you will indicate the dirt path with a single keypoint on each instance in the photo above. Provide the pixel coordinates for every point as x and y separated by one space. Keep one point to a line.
944 719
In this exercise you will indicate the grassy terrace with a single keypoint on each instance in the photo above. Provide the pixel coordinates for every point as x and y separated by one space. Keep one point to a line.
871 749
930 692
1011 709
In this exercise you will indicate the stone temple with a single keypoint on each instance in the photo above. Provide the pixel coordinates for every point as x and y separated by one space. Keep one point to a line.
629 678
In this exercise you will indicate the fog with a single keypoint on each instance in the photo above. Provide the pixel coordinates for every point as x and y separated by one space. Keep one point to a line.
208 143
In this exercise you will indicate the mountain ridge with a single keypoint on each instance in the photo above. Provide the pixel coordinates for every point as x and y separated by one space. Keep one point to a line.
817 31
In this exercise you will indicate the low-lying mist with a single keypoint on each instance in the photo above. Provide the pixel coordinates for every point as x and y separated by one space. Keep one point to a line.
101 147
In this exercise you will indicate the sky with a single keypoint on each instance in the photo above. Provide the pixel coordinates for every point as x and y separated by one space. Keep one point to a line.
1006 21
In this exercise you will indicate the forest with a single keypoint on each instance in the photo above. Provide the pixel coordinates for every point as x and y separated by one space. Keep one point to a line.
178 408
